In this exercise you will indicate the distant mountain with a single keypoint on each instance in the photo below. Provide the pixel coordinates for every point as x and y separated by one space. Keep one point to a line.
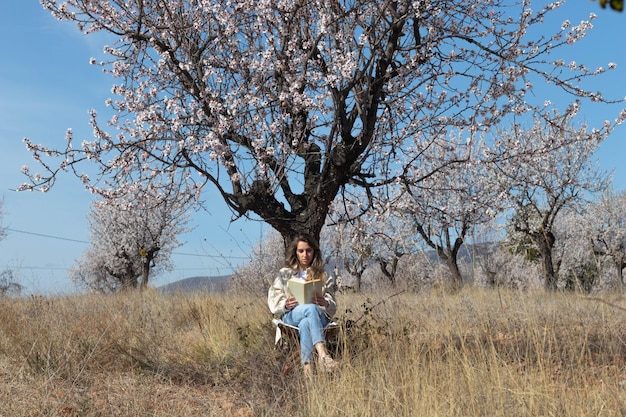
198 284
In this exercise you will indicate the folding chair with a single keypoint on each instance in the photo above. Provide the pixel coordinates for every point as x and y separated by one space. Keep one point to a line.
288 340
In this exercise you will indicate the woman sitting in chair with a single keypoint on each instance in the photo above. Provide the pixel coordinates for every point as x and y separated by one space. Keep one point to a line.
304 261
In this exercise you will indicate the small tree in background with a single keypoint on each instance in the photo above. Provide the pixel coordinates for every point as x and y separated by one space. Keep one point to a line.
266 259
575 262
392 241
605 221
542 186
7 280
487 238
371 230
8 284
3 230
503 268
446 206
353 250
131 239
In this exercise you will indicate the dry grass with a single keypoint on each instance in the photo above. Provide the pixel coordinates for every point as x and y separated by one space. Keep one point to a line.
473 353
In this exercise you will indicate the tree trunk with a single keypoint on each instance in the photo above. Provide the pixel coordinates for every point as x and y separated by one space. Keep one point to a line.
145 274
129 282
148 260
455 274
619 265
545 242
356 270
389 269
453 260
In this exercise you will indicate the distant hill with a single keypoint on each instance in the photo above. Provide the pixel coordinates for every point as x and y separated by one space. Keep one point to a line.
198 284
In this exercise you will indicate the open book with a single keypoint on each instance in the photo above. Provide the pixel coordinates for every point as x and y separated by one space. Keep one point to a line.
303 291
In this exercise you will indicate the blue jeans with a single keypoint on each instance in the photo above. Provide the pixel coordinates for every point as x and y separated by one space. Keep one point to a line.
310 320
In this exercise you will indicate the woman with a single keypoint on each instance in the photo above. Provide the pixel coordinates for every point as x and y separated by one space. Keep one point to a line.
304 261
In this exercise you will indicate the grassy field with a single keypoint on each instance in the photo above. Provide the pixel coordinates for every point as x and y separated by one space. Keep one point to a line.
473 353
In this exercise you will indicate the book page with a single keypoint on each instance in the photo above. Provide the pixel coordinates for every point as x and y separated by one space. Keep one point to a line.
303 291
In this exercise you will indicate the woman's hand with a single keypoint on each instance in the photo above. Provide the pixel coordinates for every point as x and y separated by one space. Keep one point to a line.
320 300
291 303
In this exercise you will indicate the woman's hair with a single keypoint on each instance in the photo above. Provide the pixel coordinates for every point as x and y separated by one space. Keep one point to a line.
316 270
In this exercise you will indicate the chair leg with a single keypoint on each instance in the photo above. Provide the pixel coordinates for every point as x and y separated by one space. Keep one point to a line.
292 342
292 361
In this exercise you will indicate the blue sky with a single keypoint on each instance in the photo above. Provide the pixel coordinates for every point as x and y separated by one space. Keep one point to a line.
48 86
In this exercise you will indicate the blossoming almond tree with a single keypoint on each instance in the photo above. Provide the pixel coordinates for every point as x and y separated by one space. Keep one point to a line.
606 222
266 258
131 239
391 239
445 207
541 185
575 264
279 104
368 229
353 247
